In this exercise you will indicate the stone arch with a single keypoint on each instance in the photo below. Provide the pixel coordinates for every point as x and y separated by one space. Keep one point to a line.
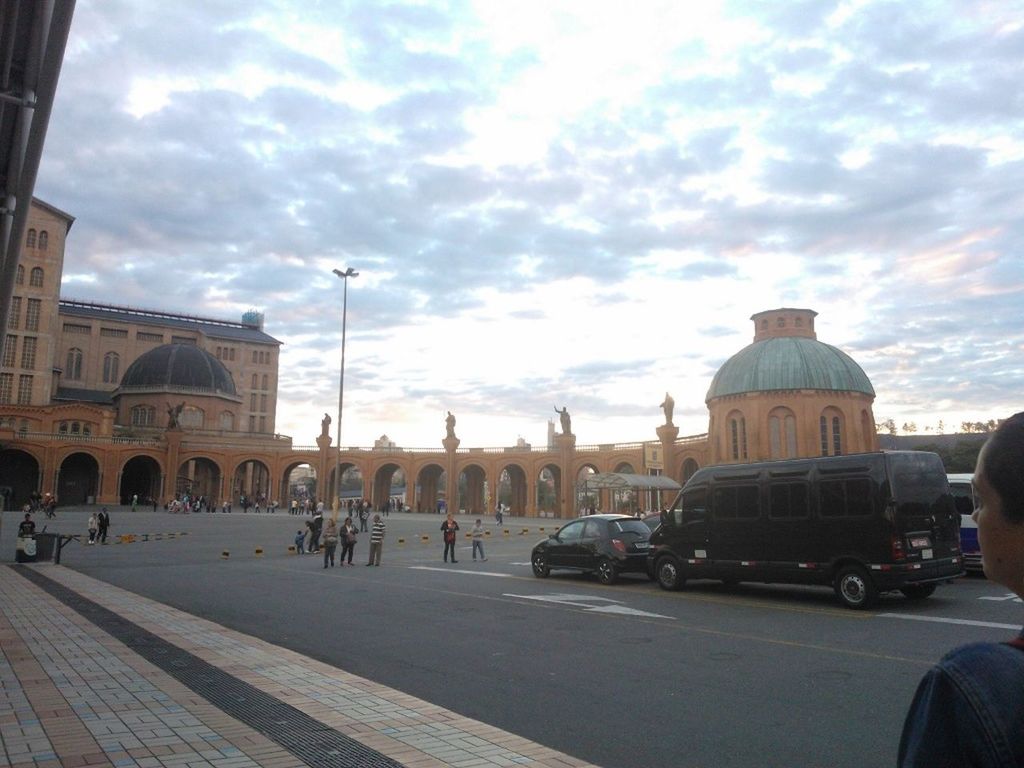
430 485
19 478
512 489
251 480
351 486
472 487
200 476
384 487
586 498
78 479
549 489
690 466
140 476
299 486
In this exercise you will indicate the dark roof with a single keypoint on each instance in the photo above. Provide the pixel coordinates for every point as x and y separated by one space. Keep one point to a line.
78 394
788 363
218 329
178 366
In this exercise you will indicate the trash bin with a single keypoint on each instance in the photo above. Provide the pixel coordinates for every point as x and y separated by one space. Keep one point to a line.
46 545
26 550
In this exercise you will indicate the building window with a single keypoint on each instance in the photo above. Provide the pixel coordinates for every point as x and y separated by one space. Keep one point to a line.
263 403
36 277
114 333
252 401
19 276
24 390
35 307
227 421
30 239
831 426
143 416
191 417
782 433
737 436
86 430
252 422
6 387
76 428
255 356
264 381
10 348
111 368
28 353
823 426
63 428
837 440
44 240
232 356
182 340
77 328
73 368
263 423
154 337
14 321
254 377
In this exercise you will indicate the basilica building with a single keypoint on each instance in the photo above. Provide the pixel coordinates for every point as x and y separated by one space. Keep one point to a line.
101 403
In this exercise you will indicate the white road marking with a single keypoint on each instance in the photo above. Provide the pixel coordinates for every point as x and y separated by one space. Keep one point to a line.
460 570
519 563
942 620
1010 596
586 603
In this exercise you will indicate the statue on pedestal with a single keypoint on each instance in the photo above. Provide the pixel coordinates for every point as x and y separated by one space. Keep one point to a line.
565 419
669 405
449 424
325 424
173 413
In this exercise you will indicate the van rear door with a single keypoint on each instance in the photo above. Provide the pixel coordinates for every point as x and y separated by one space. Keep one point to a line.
922 506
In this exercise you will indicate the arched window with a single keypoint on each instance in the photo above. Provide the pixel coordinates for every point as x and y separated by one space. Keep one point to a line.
75 428
63 428
36 278
20 275
830 425
191 417
227 421
111 368
264 381
737 436
30 239
73 369
782 433
44 240
255 376
86 429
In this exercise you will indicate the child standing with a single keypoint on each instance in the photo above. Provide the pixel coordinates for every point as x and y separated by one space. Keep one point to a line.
477 532
300 542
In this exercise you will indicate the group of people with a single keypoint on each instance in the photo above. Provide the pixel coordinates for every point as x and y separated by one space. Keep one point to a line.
99 523
347 535
449 535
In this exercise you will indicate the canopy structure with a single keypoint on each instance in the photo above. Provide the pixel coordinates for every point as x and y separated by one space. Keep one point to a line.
622 481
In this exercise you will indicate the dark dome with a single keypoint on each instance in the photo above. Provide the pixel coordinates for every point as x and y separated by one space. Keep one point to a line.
789 363
179 366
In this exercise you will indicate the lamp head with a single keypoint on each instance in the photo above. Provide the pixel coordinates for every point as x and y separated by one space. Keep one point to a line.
347 273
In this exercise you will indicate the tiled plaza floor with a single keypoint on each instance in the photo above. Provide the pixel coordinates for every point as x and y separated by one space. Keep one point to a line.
72 695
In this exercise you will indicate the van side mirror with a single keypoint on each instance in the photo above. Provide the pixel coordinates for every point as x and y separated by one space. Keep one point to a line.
695 515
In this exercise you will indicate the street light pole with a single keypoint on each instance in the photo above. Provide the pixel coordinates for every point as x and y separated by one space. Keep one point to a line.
349 272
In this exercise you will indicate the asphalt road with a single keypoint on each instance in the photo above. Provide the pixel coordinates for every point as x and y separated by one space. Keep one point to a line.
621 676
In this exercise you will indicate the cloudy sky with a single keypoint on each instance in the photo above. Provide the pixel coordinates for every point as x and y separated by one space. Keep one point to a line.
556 203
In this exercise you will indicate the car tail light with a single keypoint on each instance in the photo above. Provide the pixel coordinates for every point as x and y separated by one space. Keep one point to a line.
619 544
897 548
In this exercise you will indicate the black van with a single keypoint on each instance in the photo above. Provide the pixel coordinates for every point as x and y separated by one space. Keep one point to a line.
864 523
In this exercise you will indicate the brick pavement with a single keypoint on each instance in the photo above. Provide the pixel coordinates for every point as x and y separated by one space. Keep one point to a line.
73 696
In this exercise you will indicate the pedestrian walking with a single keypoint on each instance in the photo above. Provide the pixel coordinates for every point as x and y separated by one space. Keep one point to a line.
376 539
449 529
103 520
330 540
477 533
969 708
93 526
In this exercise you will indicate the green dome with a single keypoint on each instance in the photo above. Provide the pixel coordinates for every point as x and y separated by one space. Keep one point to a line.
788 362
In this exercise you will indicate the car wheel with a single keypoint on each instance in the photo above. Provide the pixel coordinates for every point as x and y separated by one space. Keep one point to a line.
606 572
918 591
855 588
540 565
667 573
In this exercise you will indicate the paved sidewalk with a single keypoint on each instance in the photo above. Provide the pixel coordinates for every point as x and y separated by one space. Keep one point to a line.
182 692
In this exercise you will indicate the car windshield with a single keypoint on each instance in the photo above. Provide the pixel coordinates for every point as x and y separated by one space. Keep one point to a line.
639 527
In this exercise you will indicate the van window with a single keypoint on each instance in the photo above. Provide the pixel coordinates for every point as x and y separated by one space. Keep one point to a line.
963 497
688 501
788 501
737 502
846 498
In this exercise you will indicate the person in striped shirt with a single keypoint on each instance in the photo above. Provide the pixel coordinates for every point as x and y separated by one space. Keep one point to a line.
376 539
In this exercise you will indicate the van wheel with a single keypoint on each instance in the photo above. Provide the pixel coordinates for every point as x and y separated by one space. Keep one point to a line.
855 588
918 591
540 566
606 572
668 574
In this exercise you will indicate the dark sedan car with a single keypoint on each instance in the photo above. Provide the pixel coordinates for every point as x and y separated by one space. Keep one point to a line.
603 544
